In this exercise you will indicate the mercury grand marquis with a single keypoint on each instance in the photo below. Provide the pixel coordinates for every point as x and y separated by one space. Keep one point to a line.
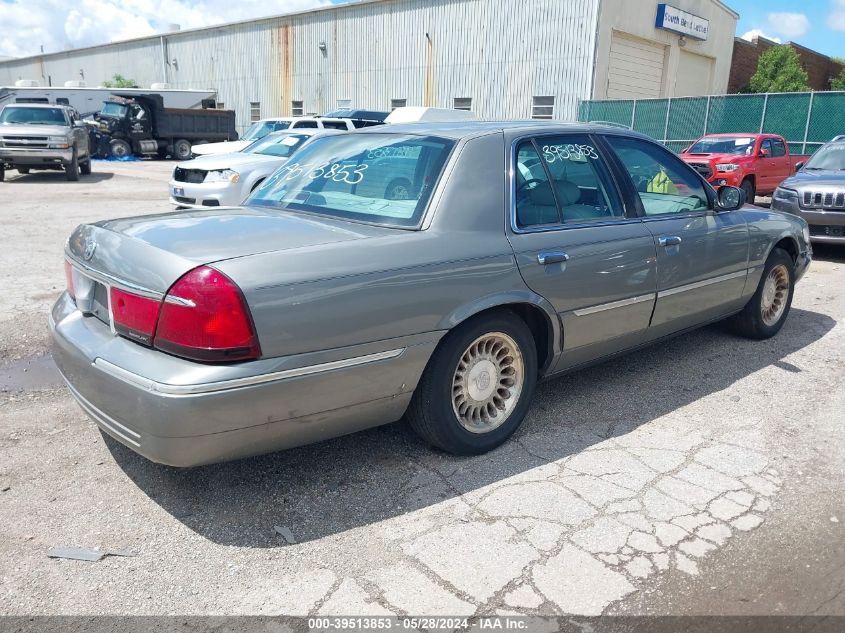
325 305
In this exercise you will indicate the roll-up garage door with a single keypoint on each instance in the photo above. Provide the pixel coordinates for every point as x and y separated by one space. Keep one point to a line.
695 74
636 68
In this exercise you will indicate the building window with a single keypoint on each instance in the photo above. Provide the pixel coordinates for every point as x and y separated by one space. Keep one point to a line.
543 108
220 105
297 108
462 103
398 103
344 104
254 110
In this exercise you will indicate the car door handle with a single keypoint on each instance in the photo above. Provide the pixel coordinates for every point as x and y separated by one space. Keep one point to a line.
552 257
669 240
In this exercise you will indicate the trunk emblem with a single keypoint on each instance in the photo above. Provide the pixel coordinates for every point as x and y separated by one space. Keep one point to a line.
90 247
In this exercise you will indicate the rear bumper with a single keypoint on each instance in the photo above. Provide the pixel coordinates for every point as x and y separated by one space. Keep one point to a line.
182 413
35 157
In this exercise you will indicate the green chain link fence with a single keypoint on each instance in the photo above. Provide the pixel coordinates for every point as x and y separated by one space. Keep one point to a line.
805 119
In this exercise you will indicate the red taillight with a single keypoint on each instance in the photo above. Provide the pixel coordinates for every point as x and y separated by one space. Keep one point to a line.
204 317
134 316
69 279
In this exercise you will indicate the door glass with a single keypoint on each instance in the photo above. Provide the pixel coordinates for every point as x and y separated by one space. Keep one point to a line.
580 179
664 183
778 149
535 200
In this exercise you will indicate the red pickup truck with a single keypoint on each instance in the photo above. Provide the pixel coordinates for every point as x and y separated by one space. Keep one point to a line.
757 163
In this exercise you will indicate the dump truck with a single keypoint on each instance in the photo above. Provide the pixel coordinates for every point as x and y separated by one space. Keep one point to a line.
141 125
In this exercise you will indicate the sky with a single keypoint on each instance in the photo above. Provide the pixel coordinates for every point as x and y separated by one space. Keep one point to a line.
816 24
26 25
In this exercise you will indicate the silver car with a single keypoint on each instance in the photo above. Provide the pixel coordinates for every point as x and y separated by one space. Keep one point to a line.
221 180
325 306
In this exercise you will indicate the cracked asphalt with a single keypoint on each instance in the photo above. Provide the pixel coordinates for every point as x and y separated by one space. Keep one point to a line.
700 476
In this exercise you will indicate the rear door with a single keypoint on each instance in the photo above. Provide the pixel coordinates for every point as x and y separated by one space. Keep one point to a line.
702 255
577 247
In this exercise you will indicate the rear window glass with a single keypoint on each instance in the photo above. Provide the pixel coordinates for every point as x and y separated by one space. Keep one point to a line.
379 178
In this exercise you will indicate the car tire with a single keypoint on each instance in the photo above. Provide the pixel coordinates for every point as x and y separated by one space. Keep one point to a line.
2 173
72 168
182 149
119 148
483 369
398 189
23 170
766 312
748 187
85 168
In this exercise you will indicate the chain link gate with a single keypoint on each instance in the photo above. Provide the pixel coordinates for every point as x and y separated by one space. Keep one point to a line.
806 120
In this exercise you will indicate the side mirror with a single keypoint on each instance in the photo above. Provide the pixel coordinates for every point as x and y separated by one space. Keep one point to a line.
799 166
764 153
79 123
731 198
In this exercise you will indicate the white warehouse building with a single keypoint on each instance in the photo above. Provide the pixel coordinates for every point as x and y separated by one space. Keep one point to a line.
501 59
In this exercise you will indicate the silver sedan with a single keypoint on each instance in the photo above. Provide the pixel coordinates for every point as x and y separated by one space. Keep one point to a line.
227 179
329 303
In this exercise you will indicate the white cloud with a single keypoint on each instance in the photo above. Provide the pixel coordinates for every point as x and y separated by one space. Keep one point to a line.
750 35
790 25
26 26
836 19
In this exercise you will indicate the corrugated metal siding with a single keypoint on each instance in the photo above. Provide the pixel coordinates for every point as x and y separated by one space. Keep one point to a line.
498 54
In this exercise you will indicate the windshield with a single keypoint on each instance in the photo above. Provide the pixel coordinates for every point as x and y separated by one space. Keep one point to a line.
379 178
110 108
260 129
828 157
739 145
33 116
279 144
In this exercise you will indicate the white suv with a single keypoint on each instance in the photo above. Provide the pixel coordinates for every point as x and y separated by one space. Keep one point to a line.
262 128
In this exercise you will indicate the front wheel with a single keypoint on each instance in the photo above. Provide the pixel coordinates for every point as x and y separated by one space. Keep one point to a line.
23 170
72 168
750 194
182 149
766 312
477 386
120 148
85 167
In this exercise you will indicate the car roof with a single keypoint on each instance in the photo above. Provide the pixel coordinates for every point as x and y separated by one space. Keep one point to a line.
306 131
39 105
468 129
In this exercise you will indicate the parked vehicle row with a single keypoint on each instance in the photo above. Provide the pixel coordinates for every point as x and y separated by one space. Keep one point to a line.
328 304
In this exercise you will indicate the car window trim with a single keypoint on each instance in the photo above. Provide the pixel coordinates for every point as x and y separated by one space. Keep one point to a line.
708 188
562 226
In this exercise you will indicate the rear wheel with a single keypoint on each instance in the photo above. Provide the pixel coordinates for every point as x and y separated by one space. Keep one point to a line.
748 187
398 189
766 312
72 168
477 386
23 170
119 148
182 149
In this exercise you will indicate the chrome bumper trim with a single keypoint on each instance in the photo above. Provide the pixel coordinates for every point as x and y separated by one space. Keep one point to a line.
614 304
236 383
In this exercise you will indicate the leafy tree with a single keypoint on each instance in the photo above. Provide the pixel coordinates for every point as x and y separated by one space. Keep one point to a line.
838 83
119 81
779 70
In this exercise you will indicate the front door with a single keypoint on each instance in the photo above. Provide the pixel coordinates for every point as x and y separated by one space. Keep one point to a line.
576 246
702 254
